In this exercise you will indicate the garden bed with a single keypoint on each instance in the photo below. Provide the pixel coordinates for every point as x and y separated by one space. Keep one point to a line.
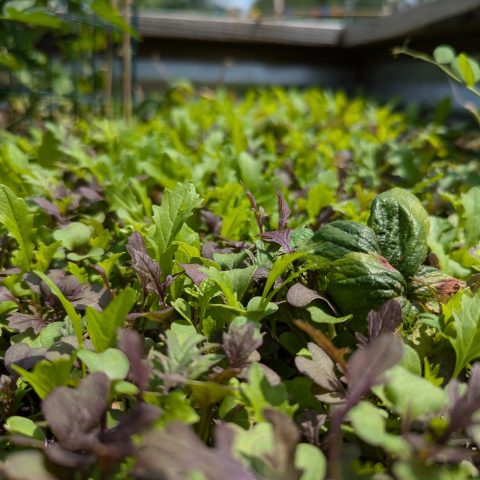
282 286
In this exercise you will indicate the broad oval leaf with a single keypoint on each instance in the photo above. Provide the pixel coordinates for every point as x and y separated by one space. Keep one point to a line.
359 282
444 54
112 362
401 225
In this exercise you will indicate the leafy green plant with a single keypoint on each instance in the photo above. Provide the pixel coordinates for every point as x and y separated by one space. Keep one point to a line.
463 68
278 286
358 277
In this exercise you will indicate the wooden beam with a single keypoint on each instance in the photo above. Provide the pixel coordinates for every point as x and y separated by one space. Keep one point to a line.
404 23
203 27
319 33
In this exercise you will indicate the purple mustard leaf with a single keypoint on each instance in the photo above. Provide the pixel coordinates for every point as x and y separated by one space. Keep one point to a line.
239 344
286 437
6 295
131 344
280 237
365 366
66 458
386 319
311 424
23 321
23 355
176 451
145 267
364 369
463 408
137 420
90 194
260 274
259 212
300 296
213 222
210 247
192 270
283 211
75 415
51 209
323 372
79 294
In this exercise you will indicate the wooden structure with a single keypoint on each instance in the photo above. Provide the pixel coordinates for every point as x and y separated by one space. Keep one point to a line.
421 19
329 52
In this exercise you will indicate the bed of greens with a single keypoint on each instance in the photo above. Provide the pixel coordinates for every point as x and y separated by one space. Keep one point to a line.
281 286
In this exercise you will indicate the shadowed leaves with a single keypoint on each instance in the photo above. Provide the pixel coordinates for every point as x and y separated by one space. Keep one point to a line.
146 268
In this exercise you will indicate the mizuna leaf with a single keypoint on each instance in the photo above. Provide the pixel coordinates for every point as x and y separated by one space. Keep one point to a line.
470 202
466 339
281 264
102 326
168 218
14 216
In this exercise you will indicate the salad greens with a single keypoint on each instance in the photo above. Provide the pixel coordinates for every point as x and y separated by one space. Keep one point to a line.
279 286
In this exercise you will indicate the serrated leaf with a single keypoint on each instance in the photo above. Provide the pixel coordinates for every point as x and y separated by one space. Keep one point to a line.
471 203
168 218
259 394
233 283
466 339
45 254
14 216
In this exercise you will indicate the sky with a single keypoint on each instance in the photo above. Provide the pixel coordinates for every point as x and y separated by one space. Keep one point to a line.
242 4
